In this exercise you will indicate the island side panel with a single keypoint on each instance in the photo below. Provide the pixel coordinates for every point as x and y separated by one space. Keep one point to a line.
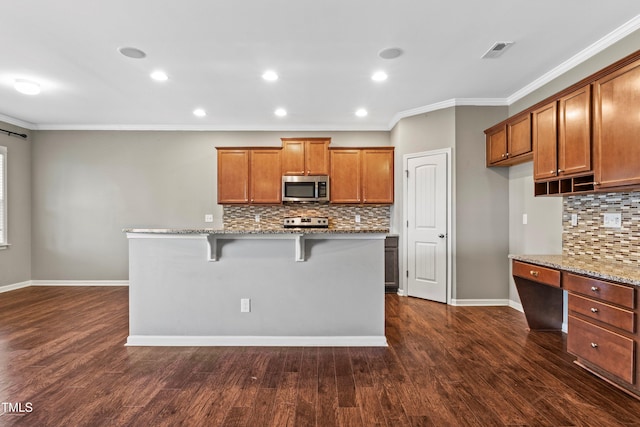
337 291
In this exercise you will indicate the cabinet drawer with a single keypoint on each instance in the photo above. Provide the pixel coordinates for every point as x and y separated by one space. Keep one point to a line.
605 349
614 316
609 292
547 276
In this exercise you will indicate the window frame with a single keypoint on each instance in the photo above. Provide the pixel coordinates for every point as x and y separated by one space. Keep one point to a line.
4 209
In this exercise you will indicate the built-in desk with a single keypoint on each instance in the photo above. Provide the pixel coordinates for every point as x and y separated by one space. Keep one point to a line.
603 310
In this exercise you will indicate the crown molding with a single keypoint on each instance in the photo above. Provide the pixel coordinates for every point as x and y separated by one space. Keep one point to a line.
616 35
17 122
210 128
454 102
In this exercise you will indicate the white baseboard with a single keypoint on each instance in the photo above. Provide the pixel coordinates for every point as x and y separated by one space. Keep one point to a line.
79 283
255 341
516 306
15 286
480 302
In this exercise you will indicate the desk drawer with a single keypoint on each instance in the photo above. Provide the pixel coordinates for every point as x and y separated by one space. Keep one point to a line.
594 288
605 349
535 273
614 316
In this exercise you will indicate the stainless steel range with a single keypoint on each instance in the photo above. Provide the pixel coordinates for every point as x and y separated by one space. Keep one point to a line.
306 222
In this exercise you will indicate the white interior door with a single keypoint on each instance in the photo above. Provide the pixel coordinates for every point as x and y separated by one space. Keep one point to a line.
426 216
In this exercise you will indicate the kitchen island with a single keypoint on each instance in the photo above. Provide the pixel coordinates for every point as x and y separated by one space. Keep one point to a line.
256 287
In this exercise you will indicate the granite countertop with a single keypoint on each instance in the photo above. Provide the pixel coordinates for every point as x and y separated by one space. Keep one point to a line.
255 230
602 269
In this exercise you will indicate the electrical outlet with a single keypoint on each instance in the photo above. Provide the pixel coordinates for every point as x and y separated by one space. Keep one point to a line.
208 218
612 220
358 219
245 305
525 219
257 218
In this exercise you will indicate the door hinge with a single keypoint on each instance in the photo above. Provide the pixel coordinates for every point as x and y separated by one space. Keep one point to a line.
407 273
407 172
407 223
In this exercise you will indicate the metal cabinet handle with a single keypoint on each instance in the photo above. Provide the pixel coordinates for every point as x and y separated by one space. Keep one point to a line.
560 170
595 288
594 310
594 345
553 172
534 273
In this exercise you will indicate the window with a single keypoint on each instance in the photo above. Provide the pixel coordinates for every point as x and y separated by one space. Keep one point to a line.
3 196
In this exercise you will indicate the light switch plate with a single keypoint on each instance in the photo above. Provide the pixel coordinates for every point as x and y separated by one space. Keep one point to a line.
208 218
525 219
574 219
612 220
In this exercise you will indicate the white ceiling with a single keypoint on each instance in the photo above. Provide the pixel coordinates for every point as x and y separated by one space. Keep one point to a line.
324 52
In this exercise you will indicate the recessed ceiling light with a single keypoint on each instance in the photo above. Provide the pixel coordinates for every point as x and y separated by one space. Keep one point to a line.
390 53
26 87
159 76
270 76
281 112
199 112
132 52
361 112
379 76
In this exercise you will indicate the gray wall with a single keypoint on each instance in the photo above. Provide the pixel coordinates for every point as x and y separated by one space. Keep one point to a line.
482 210
15 261
88 185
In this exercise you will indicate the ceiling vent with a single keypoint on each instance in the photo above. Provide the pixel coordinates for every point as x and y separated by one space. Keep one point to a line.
497 49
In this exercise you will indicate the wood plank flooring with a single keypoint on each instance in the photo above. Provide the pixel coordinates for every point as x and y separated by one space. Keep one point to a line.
62 350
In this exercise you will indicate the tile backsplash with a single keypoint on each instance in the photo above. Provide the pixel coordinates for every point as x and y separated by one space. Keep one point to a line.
590 238
340 216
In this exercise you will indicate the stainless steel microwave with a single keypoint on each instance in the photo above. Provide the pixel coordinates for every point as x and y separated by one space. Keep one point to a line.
305 189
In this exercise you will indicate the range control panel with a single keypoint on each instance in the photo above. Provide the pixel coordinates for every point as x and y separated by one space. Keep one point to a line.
306 222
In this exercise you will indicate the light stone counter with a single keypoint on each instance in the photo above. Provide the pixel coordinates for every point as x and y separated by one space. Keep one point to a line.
256 230
601 269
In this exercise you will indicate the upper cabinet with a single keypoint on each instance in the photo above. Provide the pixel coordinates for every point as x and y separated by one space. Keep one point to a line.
584 138
249 175
362 175
308 156
509 143
616 128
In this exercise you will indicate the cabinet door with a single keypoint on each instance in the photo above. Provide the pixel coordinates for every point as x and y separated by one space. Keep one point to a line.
574 132
317 157
377 175
265 176
233 176
545 164
519 136
616 128
293 157
496 145
345 176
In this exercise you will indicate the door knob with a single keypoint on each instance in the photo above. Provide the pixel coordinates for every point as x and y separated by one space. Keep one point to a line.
441 236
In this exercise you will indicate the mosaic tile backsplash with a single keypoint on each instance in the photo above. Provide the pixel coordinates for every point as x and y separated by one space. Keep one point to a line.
340 216
591 238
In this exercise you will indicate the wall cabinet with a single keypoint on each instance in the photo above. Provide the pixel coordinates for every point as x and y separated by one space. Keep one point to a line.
509 143
362 175
562 145
616 128
309 156
249 175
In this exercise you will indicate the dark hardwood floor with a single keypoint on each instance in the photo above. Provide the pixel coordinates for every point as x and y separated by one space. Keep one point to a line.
63 359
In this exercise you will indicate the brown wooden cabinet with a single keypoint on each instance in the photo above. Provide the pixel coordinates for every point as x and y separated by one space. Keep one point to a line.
265 176
249 175
616 128
309 156
362 175
233 175
345 177
562 145
509 143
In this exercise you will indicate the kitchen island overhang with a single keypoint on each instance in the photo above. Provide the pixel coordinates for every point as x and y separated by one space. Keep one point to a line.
305 287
